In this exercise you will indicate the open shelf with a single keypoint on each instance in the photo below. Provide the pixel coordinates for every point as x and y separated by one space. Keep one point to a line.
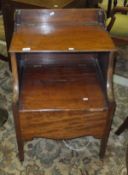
62 87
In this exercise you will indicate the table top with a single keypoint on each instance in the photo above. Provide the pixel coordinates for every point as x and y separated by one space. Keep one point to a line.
60 30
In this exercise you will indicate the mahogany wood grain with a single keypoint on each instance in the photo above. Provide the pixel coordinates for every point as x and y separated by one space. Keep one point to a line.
104 140
58 58
9 7
20 142
62 88
62 124
63 69
59 32
57 15
15 78
71 39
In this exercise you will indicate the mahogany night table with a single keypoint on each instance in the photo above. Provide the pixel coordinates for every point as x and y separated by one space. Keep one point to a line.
62 67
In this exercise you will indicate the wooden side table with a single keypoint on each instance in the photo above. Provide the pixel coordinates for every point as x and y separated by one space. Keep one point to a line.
62 66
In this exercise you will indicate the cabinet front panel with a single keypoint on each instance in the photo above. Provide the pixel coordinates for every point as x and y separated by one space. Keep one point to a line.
61 125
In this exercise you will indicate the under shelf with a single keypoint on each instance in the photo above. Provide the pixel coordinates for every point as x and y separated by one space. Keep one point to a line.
57 87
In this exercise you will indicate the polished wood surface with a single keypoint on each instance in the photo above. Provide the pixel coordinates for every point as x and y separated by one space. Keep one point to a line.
62 124
59 104
62 88
9 7
58 31
62 75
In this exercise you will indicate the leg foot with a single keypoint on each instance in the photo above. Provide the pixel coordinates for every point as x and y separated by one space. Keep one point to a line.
103 148
21 152
107 130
